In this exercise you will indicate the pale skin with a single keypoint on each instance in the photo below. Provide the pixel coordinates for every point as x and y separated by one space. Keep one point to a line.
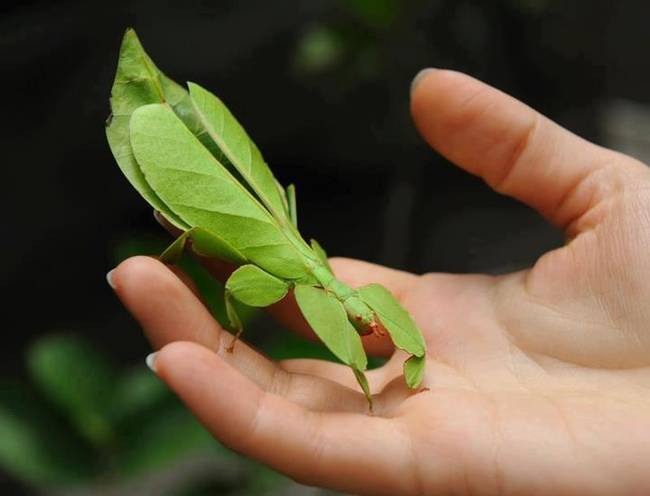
538 381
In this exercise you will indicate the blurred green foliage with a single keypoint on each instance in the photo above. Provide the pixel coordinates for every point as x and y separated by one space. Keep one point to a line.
81 423
82 419
347 45
37 446
76 379
377 13
320 48
532 6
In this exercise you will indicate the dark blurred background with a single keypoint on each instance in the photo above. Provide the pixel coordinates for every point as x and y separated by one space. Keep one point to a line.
322 87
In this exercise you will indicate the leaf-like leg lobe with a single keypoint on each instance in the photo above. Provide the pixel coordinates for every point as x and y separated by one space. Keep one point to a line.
329 320
255 287
234 320
204 243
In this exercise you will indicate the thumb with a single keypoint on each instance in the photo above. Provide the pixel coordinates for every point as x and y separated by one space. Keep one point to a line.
516 150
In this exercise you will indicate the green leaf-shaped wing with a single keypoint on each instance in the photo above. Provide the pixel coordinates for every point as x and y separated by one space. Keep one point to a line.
37 446
238 148
78 379
139 82
320 253
397 321
201 191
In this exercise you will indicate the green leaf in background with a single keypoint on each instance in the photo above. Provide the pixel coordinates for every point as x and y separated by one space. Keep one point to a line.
319 49
378 13
264 480
166 435
78 379
38 447
136 391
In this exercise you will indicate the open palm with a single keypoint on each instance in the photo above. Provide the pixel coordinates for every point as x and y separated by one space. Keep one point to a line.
537 382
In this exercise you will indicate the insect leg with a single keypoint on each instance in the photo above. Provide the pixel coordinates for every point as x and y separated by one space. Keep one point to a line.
365 387
233 318
329 320
173 252
254 287
204 243
291 200
320 253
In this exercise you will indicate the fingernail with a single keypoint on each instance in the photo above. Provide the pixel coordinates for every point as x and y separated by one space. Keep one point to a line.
419 77
159 218
151 361
109 278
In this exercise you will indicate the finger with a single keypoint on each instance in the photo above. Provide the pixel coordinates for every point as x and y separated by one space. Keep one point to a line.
169 311
377 378
165 307
516 150
384 400
322 368
186 279
349 452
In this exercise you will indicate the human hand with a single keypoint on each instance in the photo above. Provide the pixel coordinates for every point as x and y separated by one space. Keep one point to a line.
538 381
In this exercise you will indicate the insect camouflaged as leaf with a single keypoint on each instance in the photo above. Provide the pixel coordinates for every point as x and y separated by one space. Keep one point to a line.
190 159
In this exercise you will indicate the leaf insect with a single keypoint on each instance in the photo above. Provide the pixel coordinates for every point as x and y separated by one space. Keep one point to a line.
190 159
